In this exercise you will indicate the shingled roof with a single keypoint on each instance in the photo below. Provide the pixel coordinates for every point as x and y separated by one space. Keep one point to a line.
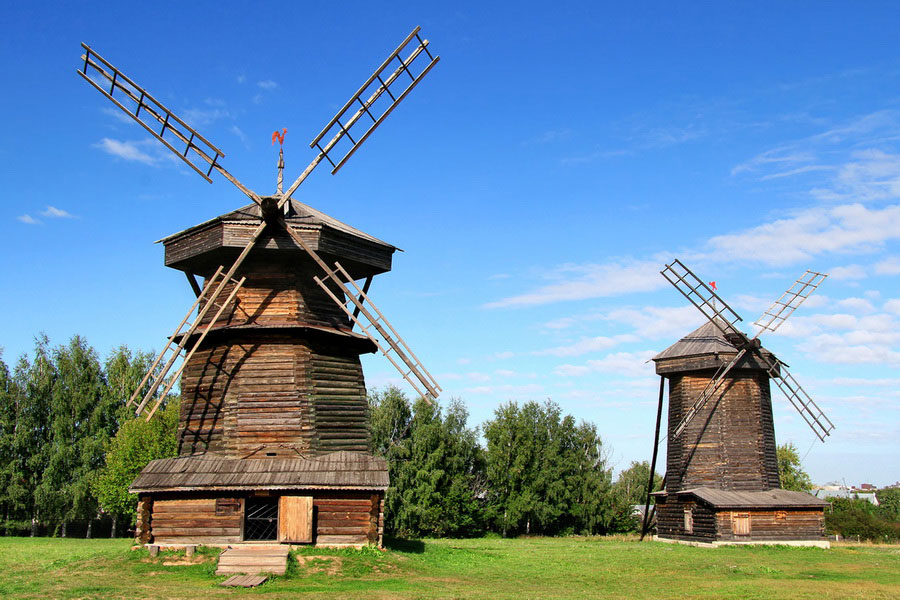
774 498
335 470
706 339
298 215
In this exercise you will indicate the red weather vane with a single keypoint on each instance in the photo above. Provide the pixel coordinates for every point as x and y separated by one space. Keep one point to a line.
279 136
712 284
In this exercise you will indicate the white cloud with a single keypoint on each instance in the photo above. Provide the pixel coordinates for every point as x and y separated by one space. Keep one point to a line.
629 364
892 306
658 322
581 282
28 220
872 175
117 113
888 266
506 390
198 117
848 272
125 150
809 233
267 84
57 213
586 345
859 305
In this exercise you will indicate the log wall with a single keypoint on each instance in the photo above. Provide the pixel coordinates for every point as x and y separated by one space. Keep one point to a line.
670 520
774 525
194 520
730 443
348 518
273 394
339 518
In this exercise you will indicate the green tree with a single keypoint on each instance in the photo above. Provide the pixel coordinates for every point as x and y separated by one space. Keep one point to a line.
35 381
136 443
889 503
629 490
790 471
79 424
544 474
434 462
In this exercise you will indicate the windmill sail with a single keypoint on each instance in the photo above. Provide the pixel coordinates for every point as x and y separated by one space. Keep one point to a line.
725 319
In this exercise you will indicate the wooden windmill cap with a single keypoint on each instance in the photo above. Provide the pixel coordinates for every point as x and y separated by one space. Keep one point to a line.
201 248
704 348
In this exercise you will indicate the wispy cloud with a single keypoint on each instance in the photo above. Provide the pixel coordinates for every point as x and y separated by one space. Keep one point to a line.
587 345
56 213
28 220
627 364
126 150
849 228
267 84
580 282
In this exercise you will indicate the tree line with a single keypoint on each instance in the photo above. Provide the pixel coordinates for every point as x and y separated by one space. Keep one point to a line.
60 410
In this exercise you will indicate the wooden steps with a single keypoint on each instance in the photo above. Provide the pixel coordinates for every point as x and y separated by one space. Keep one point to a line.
253 560
246 581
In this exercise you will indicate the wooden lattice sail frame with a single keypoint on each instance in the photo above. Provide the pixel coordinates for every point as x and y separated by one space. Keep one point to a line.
341 137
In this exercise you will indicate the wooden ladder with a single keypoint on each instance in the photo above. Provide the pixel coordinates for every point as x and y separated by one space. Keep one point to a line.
178 341
391 345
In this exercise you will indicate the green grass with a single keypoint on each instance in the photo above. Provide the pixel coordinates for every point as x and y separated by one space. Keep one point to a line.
575 567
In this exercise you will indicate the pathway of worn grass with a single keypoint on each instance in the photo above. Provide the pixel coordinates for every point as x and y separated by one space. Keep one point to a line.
480 568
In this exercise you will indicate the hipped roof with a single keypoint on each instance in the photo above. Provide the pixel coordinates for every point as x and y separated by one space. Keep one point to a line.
299 215
335 470
706 339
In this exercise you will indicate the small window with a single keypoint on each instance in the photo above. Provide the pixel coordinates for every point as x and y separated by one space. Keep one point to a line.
688 520
227 506
740 523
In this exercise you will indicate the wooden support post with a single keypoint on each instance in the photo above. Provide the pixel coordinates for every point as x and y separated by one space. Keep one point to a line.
194 285
154 551
646 524
189 551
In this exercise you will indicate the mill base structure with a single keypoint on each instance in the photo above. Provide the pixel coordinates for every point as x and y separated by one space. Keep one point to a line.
722 483
273 436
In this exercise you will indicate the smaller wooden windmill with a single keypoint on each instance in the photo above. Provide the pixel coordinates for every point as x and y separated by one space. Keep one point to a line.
722 483
273 433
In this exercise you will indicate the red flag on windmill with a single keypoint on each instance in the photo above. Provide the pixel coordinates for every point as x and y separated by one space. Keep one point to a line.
712 284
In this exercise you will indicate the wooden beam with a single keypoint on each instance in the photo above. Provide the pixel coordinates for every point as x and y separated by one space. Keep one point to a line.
646 524
194 285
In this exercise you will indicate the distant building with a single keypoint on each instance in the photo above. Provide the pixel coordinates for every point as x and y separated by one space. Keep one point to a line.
829 492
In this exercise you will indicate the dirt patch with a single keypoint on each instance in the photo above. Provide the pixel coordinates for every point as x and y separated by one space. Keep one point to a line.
328 565
184 560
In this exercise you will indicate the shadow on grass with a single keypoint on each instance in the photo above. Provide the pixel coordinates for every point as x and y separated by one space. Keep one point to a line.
403 545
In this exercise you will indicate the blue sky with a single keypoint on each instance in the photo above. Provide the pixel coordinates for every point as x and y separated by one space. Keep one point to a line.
538 179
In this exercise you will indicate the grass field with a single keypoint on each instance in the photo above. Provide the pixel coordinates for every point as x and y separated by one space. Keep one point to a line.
482 568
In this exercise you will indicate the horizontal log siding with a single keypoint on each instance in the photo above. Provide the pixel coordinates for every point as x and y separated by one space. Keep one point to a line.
338 395
193 521
347 518
730 443
275 395
766 525
279 293
670 520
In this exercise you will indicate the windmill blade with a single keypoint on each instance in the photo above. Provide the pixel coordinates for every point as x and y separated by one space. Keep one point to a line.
393 345
814 416
348 119
790 300
712 387
177 344
700 295
194 149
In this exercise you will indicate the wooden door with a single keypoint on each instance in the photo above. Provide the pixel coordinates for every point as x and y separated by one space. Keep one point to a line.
295 519
740 523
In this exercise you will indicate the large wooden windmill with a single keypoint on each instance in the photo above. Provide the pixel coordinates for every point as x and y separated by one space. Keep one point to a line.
273 434
722 483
